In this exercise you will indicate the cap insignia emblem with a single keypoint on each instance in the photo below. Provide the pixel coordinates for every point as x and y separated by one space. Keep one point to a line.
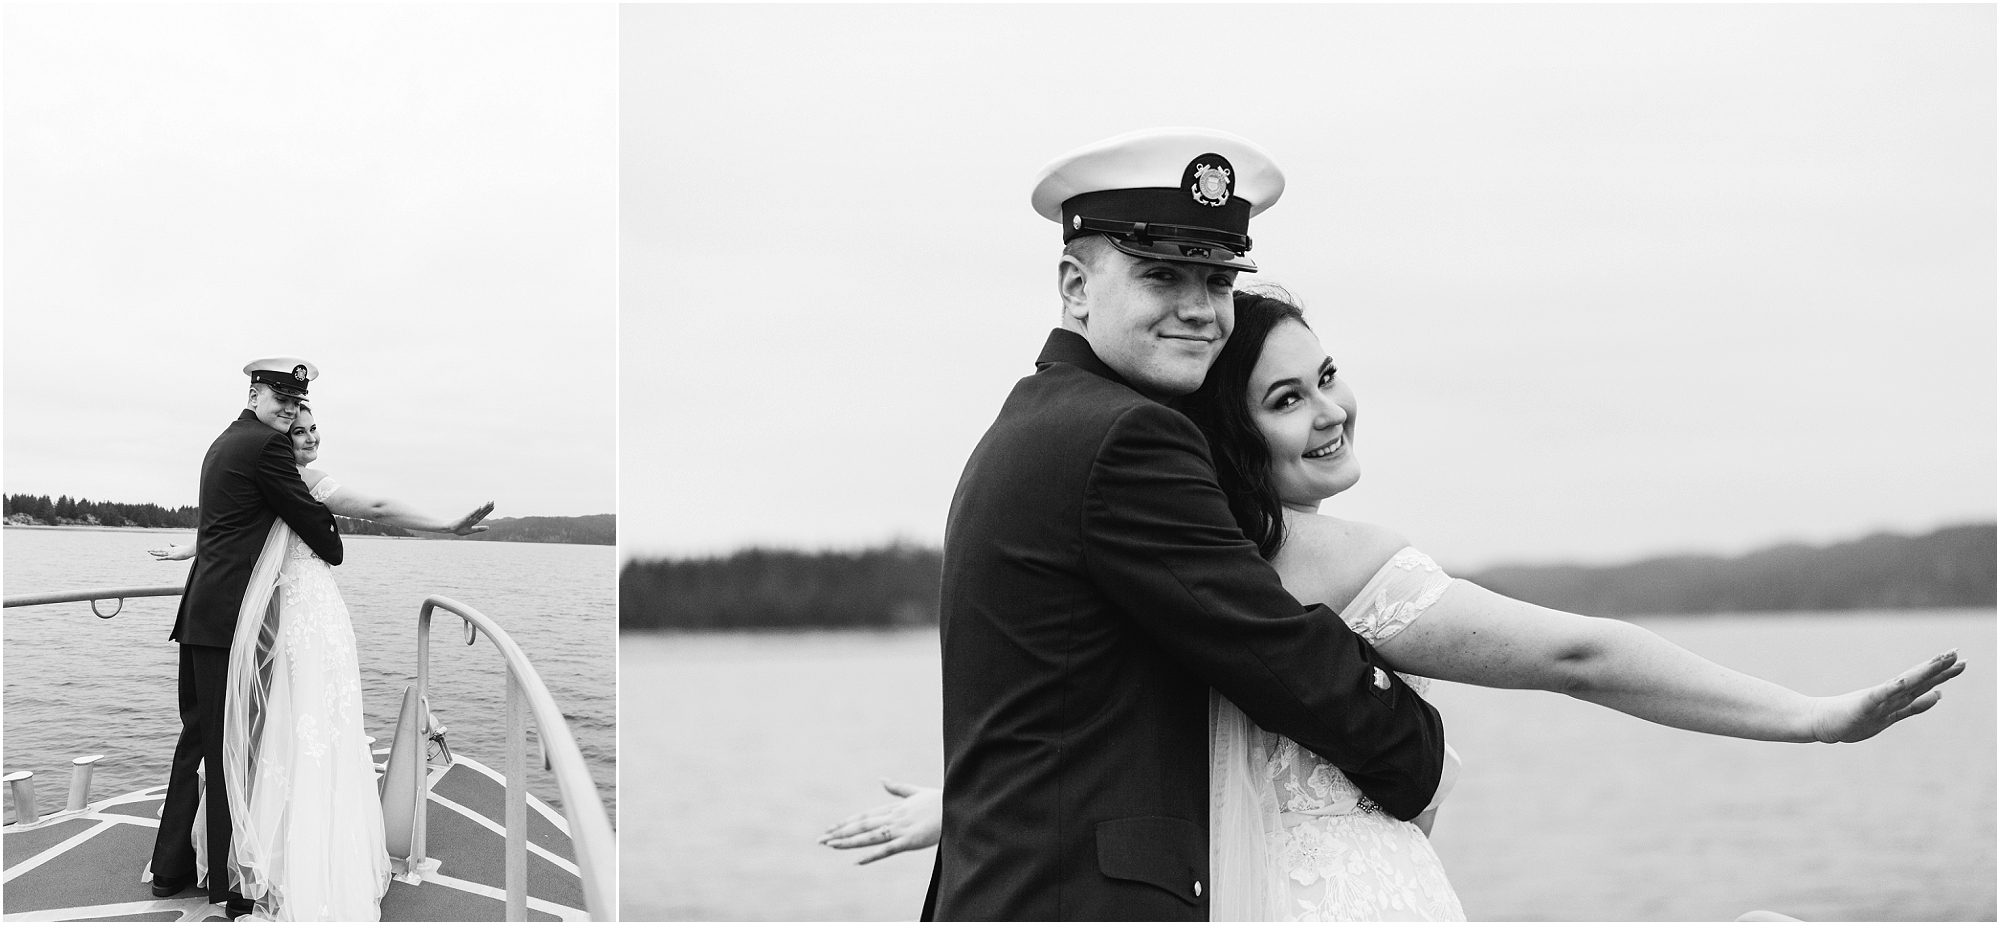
299 373
1211 184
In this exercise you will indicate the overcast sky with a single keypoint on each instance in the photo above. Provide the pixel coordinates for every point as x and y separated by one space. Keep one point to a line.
1607 280
420 199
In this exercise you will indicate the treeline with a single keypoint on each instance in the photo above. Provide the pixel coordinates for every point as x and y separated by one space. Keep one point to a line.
32 510
40 510
587 530
1951 567
898 585
780 589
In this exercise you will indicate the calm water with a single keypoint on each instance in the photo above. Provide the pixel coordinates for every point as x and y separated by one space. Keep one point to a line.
746 746
78 685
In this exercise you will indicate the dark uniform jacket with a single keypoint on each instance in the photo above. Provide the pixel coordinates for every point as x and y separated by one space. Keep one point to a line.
248 478
1095 588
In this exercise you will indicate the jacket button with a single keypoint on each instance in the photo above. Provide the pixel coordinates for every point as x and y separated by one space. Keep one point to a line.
1197 889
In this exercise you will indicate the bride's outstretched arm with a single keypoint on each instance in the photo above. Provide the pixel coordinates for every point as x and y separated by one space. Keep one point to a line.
347 502
1479 637
1476 636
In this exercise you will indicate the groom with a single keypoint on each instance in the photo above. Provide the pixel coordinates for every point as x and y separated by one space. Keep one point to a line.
1096 586
248 479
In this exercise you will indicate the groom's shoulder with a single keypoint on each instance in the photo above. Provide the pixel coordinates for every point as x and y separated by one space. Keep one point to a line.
1073 413
1064 395
247 437
252 431
1060 414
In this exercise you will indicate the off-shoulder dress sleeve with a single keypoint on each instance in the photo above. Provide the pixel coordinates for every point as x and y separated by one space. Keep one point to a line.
1402 589
324 488
1277 810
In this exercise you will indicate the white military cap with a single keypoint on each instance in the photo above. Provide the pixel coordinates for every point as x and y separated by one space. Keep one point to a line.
289 375
1183 194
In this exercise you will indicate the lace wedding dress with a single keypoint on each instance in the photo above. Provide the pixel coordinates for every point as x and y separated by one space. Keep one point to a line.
1291 839
306 840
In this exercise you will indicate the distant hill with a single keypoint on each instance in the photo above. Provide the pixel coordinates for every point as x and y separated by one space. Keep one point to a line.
898 585
1952 567
587 530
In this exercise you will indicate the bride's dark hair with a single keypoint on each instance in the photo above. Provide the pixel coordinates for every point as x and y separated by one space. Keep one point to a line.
1221 408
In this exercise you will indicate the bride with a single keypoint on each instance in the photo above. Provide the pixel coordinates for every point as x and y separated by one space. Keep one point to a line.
1290 838
307 842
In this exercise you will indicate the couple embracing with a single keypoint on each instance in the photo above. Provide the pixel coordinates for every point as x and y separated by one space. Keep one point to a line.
1172 689
284 818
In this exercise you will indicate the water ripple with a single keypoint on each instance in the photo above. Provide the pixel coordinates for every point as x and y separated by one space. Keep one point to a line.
76 684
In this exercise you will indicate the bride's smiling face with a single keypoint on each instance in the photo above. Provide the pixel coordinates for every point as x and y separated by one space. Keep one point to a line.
1305 412
305 437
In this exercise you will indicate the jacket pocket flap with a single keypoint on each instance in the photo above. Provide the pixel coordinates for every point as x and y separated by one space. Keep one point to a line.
1168 853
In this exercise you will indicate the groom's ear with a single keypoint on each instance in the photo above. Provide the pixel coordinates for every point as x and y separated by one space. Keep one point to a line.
1073 285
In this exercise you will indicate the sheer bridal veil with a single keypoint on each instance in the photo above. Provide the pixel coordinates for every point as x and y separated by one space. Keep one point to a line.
1242 815
258 699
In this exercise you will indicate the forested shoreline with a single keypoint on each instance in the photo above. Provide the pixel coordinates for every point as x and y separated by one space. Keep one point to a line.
41 510
782 589
64 511
897 586
1950 567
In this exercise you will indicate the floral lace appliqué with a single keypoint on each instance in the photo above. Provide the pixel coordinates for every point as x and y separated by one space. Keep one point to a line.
1341 857
318 809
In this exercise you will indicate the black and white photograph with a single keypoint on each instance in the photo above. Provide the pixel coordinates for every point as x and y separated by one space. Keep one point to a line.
980 387
998 545
311 314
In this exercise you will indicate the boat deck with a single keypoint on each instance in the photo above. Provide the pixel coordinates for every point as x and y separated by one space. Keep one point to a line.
91 866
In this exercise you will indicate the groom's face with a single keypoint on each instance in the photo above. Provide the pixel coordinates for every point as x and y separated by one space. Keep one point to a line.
277 410
1158 323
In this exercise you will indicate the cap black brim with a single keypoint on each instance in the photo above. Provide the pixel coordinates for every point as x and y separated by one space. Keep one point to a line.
1185 252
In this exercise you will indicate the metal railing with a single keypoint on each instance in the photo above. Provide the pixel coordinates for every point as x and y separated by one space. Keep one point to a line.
589 826
93 595
21 783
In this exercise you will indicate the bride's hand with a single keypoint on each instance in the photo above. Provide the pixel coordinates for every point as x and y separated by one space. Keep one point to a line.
470 523
907 824
173 553
1863 713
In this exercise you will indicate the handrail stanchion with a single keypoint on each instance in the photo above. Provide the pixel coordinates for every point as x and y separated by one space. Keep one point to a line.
420 827
517 800
589 826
